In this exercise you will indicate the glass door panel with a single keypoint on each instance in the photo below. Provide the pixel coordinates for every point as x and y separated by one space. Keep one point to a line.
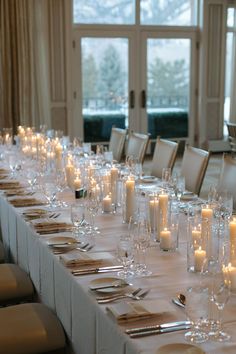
105 86
168 87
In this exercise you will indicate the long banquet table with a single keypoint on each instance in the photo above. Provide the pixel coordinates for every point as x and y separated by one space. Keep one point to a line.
88 326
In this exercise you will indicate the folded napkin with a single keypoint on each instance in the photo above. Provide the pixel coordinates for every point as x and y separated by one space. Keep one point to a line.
3 170
130 311
15 192
3 176
95 259
9 185
47 227
25 202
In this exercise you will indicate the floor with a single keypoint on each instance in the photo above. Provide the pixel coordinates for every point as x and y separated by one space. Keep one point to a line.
211 176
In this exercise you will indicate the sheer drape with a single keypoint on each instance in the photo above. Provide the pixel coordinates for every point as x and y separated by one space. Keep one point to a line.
24 77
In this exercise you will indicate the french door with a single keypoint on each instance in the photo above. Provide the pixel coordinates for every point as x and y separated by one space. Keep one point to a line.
137 79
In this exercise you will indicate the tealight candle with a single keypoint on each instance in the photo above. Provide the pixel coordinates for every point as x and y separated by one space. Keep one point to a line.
106 204
199 258
165 239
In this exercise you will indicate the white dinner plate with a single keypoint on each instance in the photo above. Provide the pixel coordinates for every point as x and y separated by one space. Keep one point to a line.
60 242
148 179
179 348
107 281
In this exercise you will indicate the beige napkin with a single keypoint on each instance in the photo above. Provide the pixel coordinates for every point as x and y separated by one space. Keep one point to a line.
47 227
15 192
24 202
86 259
130 311
9 185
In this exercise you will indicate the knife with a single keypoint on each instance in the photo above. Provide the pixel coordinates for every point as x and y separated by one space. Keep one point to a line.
156 327
96 270
159 331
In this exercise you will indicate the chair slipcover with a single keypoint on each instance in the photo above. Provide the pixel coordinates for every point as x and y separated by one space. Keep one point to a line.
137 145
117 142
164 156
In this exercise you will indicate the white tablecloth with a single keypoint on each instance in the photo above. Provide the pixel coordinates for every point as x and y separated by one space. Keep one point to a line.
89 328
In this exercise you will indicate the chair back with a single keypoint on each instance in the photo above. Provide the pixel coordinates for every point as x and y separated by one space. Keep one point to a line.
232 136
164 156
117 142
227 179
137 145
193 168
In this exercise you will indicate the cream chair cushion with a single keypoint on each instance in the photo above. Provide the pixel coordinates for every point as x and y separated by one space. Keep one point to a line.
193 168
227 180
15 284
164 156
117 142
137 145
28 329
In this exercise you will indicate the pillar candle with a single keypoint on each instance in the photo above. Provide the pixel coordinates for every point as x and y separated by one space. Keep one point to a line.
70 175
154 216
196 237
77 183
199 258
165 239
232 237
130 198
106 204
163 205
207 216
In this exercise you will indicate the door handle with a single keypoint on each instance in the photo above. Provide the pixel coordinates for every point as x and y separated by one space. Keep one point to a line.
131 99
143 99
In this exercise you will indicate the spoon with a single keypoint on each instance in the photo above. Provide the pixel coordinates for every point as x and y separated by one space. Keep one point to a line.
115 284
182 299
179 301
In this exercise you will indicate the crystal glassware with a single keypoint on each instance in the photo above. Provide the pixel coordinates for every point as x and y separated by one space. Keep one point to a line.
125 255
78 218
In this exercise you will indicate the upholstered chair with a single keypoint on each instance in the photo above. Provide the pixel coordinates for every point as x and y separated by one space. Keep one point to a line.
164 156
232 136
137 145
30 329
227 179
193 167
117 142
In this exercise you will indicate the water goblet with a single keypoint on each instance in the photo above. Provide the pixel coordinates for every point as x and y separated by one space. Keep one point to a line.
142 239
166 176
50 192
125 255
78 218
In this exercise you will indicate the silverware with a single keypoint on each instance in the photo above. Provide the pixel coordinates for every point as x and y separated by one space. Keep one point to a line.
157 327
135 295
96 270
159 331
115 284
177 302
182 299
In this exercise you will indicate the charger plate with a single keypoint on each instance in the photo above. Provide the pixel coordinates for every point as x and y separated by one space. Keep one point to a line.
179 348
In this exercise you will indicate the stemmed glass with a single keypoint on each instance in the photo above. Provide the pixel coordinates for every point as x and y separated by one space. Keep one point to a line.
61 184
78 218
180 187
93 203
31 177
224 207
221 294
125 255
50 192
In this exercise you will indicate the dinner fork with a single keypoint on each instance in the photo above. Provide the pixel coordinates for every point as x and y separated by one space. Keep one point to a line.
135 295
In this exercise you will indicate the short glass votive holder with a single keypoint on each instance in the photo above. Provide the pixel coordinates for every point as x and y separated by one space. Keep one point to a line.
169 234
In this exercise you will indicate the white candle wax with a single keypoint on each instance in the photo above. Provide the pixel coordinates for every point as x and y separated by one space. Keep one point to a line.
196 237
163 205
199 258
232 236
70 175
130 198
77 183
106 204
207 216
165 239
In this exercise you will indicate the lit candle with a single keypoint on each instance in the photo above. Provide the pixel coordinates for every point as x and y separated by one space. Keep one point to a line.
77 183
106 204
165 239
232 236
207 216
130 198
70 174
154 216
231 276
199 258
163 205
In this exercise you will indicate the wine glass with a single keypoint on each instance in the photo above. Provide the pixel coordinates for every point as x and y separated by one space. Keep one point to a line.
78 218
31 177
166 176
93 203
180 187
125 255
142 239
221 295
50 192
61 184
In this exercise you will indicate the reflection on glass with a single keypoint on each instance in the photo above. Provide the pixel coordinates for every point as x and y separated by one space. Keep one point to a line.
104 12
168 83
170 13
228 76
230 17
104 86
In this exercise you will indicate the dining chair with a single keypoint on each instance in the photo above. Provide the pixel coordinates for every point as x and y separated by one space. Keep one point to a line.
193 167
30 329
227 179
2 255
232 136
15 285
137 145
117 142
164 156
